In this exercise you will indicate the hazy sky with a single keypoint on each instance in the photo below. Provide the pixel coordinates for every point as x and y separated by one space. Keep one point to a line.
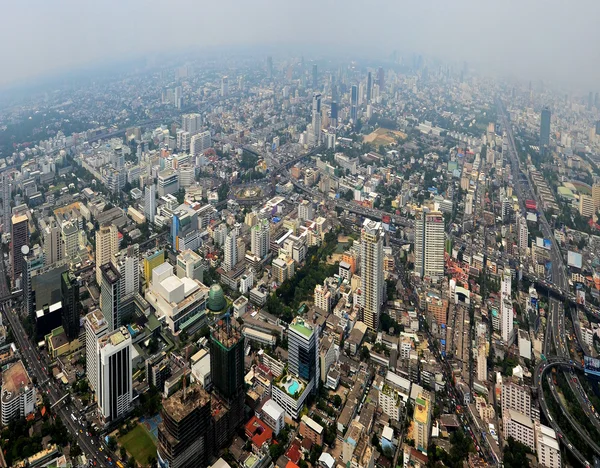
532 38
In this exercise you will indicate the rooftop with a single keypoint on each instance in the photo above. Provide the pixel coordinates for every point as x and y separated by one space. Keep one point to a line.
227 335
301 327
15 378
421 414
178 407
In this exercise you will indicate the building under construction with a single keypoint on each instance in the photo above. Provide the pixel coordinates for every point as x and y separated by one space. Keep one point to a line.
184 435
227 374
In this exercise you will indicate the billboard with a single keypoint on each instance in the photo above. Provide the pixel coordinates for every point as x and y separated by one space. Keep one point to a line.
592 365
543 243
574 259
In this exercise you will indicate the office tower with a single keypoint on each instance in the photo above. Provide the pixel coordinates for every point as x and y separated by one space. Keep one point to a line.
260 238
334 114
70 239
597 127
481 363
69 286
315 76
306 211
506 309
380 78
150 262
224 86
6 197
53 244
586 206
191 123
596 196
429 244
189 265
515 397
114 374
32 262
230 248
506 209
127 263
369 87
354 104
184 435
95 327
200 143
270 67
303 352
110 299
178 97
422 420
19 235
545 130
18 393
523 233
372 284
316 120
150 202
107 244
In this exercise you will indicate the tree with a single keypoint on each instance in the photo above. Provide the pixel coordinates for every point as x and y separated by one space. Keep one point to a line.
349 195
112 443
515 454
365 355
337 401
123 453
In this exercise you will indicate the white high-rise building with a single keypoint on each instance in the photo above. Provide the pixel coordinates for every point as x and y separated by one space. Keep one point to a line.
150 202
107 244
481 364
95 328
303 355
191 123
315 137
114 374
371 274
306 210
230 248
515 397
70 239
18 393
127 263
469 204
224 86
523 233
200 143
429 244
548 450
507 317
53 244
260 238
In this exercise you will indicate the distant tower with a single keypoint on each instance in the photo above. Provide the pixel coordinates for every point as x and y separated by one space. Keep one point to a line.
316 120
270 67
69 286
369 87
354 103
19 238
107 244
260 238
380 78
545 130
230 248
110 295
150 202
429 244
334 114
224 86
315 76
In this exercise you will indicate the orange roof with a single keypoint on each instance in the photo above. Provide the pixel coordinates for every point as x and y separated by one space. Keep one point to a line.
291 465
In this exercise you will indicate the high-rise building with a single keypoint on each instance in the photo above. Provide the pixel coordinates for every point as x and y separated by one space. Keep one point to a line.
316 120
270 67
18 393
380 78
260 238
586 206
547 447
354 104
184 435
334 114
70 239
545 130
150 202
6 182
230 248
315 76
506 308
95 327
19 236
515 397
422 420
523 233
200 143
114 393
127 263
107 244
303 352
189 265
69 286
191 123
53 244
110 295
369 87
150 262
33 261
596 196
224 86
372 283
429 244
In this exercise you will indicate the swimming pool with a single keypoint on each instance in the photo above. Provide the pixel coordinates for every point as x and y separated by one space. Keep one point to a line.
293 387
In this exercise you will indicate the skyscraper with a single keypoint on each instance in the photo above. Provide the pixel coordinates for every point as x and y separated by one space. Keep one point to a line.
150 202
545 130
224 86
429 244
114 374
369 87
31 262
53 244
316 120
230 248
200 143
19 235
110 298
315 76
107 244
506 308
380 78
191 123
270 67
303 354
6 197
185 430
260 238
334 114
354 103
95 327
371 258
69 286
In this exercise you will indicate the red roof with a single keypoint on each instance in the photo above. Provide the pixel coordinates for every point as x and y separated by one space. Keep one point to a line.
258 432
291 465
293 452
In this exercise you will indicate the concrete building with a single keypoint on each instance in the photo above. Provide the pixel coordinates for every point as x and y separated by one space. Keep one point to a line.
586 206
53 244
150 202
189 264
19 235
18 393
429 244
273 415
110 296
107 244
114 374
548 450
372 282
96 327
520 427
422 421
168 182
230 251
260 238
506 308
515 397
311 430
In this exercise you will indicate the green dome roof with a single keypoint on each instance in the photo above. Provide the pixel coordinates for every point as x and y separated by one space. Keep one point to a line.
216 298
